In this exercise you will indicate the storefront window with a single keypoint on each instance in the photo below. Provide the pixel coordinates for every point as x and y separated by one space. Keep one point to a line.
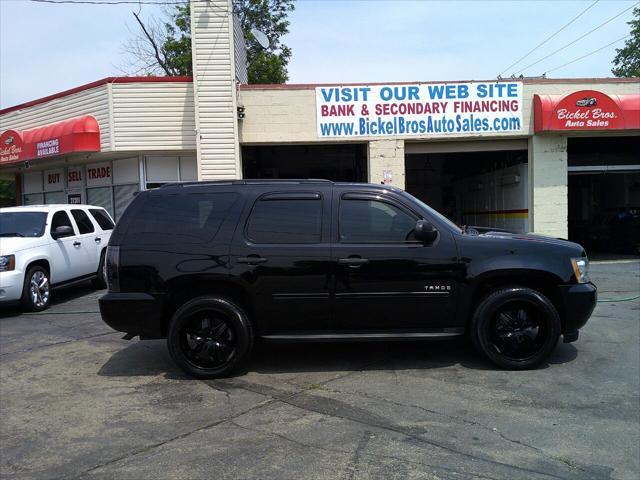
33 199
123 195
100 197
54 197
112 185
169 169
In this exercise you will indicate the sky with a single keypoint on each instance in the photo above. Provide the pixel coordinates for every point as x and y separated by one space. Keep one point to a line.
46 48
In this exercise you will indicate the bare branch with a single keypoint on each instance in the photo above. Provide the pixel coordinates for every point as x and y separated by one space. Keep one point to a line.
150 38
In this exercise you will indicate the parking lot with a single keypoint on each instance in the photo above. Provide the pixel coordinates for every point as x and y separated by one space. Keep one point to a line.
77 401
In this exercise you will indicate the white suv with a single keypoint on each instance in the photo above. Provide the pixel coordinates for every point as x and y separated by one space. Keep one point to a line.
47 246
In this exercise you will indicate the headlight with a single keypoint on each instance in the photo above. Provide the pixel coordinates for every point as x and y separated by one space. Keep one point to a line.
7 263
581 269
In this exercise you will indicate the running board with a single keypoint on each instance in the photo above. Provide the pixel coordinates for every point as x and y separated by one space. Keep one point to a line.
363 336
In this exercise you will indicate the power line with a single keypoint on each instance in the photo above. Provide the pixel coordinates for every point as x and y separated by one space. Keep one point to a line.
548 38
579 38
587 55
114 2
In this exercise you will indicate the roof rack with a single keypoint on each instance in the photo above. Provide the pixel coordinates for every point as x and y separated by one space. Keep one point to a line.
257 181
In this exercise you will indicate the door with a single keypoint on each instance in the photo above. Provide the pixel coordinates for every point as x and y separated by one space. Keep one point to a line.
281 252
385 279
90 241
66 255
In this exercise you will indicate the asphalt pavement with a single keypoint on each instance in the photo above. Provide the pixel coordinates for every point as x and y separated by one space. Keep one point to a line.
77 401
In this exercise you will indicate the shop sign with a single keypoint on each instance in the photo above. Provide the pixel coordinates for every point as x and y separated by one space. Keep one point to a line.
475 108
48 147
74 199
53 180
99 174
11 146
75 177
80 134
586 110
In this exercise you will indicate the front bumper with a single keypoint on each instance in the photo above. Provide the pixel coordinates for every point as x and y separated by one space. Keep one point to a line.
578 301
138 314
11 286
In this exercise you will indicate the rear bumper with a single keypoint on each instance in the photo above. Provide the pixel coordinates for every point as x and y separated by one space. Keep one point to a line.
134 313
578 301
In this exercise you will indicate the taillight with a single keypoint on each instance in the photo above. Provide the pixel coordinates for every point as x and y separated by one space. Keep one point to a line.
113 268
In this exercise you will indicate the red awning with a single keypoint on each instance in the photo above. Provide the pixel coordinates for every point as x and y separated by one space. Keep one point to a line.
80 134
586 110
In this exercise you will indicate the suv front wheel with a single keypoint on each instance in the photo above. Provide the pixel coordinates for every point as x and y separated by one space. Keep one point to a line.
516 328
210 337
36 291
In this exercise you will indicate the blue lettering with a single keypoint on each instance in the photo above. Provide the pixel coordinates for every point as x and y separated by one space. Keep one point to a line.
435 91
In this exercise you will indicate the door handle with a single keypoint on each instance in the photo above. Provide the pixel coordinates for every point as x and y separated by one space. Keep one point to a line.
76 244
353 262
98 239
251 260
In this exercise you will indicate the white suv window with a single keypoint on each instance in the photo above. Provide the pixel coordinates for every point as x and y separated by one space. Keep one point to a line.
102 218
83 221
61 219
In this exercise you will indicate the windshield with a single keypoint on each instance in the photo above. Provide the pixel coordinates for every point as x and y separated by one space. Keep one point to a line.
435 213
22 224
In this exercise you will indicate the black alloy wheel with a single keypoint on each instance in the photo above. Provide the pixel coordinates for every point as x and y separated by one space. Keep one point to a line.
210 337
517 328
207 340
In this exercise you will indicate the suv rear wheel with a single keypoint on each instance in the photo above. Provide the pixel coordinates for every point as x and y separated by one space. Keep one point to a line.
36 291
210 337
516 328
100 282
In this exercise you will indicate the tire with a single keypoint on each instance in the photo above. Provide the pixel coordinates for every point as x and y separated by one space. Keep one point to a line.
36 290
511 339
100 282
201 346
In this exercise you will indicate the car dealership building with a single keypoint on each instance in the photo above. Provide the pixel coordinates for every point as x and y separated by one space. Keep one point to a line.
554 156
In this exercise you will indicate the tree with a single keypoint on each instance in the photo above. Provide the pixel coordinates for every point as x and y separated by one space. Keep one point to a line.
165 46
627 59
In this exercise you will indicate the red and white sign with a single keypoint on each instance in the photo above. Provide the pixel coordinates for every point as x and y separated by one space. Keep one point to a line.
11 146
54 180
586 110
99 174
81 134
75 177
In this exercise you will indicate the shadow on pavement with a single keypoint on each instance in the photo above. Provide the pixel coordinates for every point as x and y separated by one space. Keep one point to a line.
144 358
58 296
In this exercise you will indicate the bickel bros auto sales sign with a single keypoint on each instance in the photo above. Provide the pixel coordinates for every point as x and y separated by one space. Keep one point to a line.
421 109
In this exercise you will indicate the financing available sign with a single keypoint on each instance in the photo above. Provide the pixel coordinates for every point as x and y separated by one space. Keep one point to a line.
421 109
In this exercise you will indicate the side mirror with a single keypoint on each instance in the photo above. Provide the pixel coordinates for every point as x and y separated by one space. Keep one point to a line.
425 231
62 231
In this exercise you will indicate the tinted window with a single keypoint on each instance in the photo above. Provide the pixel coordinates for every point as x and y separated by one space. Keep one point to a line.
61 219
22 224
102 218
181 218
83 221
371 221
285 221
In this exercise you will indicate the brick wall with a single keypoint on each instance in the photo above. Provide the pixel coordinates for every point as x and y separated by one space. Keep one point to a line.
548 200
386 155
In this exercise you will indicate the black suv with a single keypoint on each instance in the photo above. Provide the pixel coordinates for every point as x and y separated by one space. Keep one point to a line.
212 266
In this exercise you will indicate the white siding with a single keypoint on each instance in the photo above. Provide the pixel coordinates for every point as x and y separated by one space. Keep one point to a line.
94 101
153 116
240 50
214 87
